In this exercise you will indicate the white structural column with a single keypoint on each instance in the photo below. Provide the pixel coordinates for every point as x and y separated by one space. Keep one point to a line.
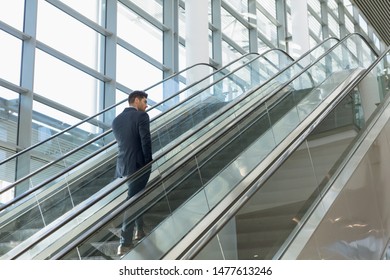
197 36
299 28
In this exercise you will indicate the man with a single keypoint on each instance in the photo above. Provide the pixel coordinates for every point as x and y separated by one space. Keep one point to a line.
131 129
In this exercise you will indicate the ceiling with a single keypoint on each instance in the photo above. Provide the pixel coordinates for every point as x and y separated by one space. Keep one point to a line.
378 14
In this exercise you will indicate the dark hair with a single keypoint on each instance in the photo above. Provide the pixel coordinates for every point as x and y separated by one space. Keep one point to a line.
136 94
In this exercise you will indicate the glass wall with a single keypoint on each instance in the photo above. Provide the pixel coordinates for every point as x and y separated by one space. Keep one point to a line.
69 59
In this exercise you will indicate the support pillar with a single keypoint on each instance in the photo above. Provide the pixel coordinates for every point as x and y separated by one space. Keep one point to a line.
197 37
23 165
299 29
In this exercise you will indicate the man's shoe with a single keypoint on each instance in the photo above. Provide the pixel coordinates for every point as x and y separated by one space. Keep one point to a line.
138 235
122 249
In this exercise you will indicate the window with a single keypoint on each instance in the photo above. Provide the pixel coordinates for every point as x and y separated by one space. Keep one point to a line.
134 72
139 33
235 30
152 7
12 13
68 35
92 9
332 5
9 111
315 26
65 84
266 27
349 25
363 24
334 26
10 57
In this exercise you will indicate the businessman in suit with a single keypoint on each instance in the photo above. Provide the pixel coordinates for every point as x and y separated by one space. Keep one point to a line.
131 129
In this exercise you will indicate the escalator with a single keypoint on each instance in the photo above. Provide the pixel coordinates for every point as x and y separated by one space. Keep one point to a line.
181 199
321 198
21 221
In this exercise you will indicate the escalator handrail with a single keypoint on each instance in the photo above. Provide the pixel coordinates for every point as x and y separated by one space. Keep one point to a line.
223 216
215 225
104 220
102 149
342 165
295 62
119 184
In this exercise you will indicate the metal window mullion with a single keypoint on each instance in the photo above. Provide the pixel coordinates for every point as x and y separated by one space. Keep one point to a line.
281 17
252 10
269 16
216 32
109 50
123 88
314 14
13 31
232 43
236 15
260 35
128 90
355 20
333 14
358 29
8 85
170 46
315 36
324 20
57 106
265 40
181 40
325 31
343 28
171 37
348 15
141 54
24 133
92 72
370 33
73 13
144 15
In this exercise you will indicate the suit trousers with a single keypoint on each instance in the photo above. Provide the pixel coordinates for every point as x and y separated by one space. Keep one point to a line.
130 223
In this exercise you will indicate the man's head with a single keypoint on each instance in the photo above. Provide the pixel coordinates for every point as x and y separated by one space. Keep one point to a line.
138 99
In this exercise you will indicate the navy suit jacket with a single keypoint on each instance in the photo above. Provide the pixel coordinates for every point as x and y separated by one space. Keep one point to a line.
132 131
